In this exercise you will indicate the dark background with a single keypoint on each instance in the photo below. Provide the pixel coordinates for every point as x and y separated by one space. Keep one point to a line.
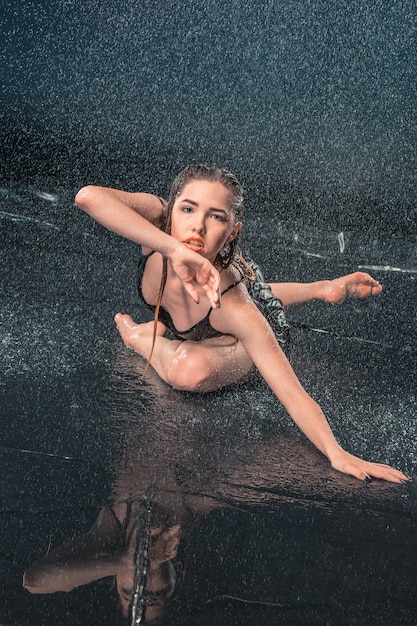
311 104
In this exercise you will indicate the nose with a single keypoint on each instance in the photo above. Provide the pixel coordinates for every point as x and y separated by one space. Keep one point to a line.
199 225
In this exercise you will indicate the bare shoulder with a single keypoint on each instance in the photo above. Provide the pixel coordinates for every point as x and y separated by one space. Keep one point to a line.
237 313
229 276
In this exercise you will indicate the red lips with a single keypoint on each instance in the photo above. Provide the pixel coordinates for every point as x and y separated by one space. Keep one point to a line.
194 243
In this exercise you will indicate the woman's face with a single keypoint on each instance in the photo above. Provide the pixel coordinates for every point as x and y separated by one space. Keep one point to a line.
125 582
163 548
202 218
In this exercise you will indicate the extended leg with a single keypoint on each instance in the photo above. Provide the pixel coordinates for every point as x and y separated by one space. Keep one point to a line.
356 285
187 365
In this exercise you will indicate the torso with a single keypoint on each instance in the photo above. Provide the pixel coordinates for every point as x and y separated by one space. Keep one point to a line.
184 317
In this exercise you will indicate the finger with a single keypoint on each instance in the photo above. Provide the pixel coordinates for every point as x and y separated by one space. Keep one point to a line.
367 471
173 531
192 291
385 472
211 287
216 279
216 288
358 473
213 296
388 468
390 475
392 469
218 298
212 278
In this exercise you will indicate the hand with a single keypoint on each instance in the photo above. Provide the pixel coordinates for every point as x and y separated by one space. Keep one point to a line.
364 470
192 268
164 544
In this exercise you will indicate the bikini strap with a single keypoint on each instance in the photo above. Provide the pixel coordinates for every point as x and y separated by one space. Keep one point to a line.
237 282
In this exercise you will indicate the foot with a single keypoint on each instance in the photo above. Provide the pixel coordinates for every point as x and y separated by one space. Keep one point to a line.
136 335
356 285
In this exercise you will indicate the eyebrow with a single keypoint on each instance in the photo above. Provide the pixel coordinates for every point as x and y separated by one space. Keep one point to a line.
212 208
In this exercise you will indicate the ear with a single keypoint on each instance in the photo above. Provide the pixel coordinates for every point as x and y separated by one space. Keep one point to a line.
234 232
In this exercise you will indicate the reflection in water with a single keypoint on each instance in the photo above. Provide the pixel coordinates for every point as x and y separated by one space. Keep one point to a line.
135 539
157 572
180 459
134 542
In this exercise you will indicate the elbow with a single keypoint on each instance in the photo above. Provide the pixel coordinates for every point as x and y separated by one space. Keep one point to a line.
33 588
85 197
33 582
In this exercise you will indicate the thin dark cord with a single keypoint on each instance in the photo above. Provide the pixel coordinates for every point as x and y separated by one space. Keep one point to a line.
158 306
142 561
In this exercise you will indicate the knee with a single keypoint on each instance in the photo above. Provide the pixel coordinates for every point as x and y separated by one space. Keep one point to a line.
34 581
188 371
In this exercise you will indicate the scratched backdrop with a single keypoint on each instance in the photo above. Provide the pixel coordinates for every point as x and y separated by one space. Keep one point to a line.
313 106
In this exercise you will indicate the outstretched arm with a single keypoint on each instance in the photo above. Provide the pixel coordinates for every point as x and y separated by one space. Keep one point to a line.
95 554
259 341
138 216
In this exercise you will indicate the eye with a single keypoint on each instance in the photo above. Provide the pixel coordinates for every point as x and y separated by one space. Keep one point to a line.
187 209
219 217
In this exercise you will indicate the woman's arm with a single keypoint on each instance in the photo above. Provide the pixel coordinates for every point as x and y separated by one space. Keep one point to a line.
137 216
242 319
65 576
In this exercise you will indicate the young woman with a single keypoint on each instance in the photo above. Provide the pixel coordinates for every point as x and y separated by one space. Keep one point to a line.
201 291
